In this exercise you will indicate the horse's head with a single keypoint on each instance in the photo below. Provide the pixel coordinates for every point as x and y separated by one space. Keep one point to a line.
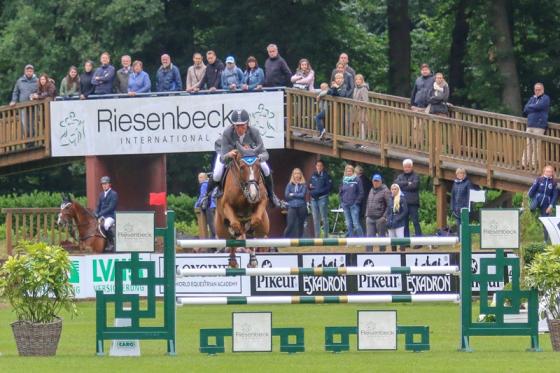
249 174
67 212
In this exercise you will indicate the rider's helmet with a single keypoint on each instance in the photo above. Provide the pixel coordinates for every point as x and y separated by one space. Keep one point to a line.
240 117
105 180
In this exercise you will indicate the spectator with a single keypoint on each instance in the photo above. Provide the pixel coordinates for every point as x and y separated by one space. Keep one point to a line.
351 196
104 76
378 202
360 94
70 85
45 88
253 77
304 77
320 186
339 87
208 211
460 194
320 118
86 88
277 72
232 76
25 86
409 182
396 214
168 78
212 79
348 78
439 94
536 110
366 186
343 59
421 90
297 207
195 73
122 74
544 194
138 80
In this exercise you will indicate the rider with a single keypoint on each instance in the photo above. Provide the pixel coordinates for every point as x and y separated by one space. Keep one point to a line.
106 205
249 138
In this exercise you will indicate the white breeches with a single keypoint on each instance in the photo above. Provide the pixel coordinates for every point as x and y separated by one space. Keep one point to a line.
219 169
108 222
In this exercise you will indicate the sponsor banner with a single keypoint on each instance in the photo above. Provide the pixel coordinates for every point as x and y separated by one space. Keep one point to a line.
170 124
135 232
324 285
377 330
276 284
379 283
429 283
252 332
211 286
499 228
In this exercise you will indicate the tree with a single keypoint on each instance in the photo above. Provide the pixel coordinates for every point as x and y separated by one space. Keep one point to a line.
399 47
458 51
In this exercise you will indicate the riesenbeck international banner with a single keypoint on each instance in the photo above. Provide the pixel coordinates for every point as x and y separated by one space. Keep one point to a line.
171 124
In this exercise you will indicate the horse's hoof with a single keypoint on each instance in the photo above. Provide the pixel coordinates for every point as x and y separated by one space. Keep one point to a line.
253 262
233 263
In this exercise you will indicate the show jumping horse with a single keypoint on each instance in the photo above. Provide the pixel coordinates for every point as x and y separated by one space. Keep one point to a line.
241 210
88 226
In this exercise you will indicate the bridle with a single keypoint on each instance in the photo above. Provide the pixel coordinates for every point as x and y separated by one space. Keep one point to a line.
246 185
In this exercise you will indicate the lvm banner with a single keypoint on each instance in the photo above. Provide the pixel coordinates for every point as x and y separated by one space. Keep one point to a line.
171 124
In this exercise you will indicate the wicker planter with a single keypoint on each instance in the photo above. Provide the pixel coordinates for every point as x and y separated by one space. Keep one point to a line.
37 339
554 329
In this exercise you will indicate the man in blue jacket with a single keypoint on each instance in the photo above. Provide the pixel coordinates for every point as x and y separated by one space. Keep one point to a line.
105 211
168 78
320 186
104 76
536 110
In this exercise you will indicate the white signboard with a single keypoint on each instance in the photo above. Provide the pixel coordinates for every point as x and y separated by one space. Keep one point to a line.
499 229
124 347
135 232
552 226
170 124
252 331
377 330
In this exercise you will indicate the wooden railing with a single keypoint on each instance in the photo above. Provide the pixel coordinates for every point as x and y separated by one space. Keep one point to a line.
466 114
391 129
36 224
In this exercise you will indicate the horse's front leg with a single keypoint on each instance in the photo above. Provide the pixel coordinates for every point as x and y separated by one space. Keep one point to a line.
257 217
235 231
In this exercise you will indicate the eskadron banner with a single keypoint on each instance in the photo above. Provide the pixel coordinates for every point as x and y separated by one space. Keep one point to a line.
171 124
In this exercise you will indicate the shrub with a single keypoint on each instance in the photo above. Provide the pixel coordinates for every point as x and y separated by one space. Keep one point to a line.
183 205
34 199
530 250
544 274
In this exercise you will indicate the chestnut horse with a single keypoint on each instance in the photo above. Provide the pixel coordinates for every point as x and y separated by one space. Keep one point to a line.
88 227
241 211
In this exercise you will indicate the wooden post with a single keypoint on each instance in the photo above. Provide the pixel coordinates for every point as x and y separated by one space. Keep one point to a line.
9 232
289 115
441 202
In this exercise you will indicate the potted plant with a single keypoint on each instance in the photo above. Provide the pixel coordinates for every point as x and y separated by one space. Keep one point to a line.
544 274
36 283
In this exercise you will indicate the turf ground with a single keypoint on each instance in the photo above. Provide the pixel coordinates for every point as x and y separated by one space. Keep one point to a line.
76 352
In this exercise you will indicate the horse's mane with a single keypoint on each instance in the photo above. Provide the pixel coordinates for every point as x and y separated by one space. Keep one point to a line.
82 208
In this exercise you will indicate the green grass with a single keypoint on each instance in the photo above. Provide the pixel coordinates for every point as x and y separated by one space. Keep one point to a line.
76 351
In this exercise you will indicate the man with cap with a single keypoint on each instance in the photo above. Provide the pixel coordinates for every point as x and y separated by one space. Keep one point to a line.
106 206
25 86
232 76
249 138
378 201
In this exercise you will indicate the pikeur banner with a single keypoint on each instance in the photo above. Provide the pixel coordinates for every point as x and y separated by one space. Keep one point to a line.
170 124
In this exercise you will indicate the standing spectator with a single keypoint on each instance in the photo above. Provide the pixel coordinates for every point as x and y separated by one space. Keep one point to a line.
323 107
168 78
212 78
104 76
396 214
195 73
409 182
205 209
304 78
378 202
138 80
232 76
70 85
45 88
536 110
253 77
122 74
439 94
348 78
86 88
421 90
25 86
460 194
351 196
343 59
366 186
360 93
320 186
297 207
544 194
277 72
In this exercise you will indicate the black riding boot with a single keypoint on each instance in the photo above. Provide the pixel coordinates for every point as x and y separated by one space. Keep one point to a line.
110 234
272 199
